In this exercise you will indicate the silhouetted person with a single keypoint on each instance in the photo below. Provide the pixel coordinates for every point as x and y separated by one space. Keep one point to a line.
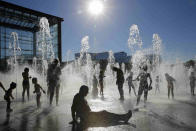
170 84
37 91
25 83
80 109
157 84
101 76
8 95
53 80
1 85
119 81
143 85
130 82
95 89
192 82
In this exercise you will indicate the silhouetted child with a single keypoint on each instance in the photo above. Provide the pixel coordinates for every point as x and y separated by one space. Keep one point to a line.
37 91
130 83
25 82
8 94
157 82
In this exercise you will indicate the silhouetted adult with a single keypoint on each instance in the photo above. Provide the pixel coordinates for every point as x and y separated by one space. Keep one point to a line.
95 89
101 76
80 109
53 80
119 81
25 83
170 84
143 85
192 82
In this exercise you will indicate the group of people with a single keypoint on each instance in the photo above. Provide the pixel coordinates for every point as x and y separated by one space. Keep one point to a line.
81 111
142 77
53 82
145 83
80 108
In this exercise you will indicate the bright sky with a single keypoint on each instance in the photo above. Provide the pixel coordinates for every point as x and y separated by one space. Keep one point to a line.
173 20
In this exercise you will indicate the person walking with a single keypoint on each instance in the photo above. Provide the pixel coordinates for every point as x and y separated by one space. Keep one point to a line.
119 81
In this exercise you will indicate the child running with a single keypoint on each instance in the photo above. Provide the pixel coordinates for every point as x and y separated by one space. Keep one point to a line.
37 91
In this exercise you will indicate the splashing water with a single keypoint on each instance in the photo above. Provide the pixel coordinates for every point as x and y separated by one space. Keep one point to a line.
156 43
134 38
85 44
44 27
44 44
34 63
138 60
68 55
84 50
14 49
111 58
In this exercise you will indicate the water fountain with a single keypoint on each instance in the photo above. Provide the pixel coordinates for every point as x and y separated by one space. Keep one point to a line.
135 45
109 72
35 63
82 69
15 51
44 44
134 40
156 43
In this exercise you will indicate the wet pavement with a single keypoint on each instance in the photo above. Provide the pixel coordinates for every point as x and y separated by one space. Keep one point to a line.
160 114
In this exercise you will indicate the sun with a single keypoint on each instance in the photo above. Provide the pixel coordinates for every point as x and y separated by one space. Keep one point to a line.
95 7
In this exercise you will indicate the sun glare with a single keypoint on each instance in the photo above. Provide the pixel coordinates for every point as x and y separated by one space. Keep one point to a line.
95 7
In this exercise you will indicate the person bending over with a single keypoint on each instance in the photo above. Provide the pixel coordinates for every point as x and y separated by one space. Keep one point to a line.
170 85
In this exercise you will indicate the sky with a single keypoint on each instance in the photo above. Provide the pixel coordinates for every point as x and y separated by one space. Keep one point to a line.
173 20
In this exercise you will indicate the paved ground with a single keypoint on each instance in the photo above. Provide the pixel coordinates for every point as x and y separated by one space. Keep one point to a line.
160 114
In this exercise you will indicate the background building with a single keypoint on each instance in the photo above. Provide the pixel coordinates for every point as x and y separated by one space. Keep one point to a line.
120 57
25 22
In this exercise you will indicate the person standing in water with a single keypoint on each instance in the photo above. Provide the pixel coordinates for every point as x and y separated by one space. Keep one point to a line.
53 80
157 84
170 84
143 85
25 83
192 83
130 83
101 76
119 81
95 89
37 91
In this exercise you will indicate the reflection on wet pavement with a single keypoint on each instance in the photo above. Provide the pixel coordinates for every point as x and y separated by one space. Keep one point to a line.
160 114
